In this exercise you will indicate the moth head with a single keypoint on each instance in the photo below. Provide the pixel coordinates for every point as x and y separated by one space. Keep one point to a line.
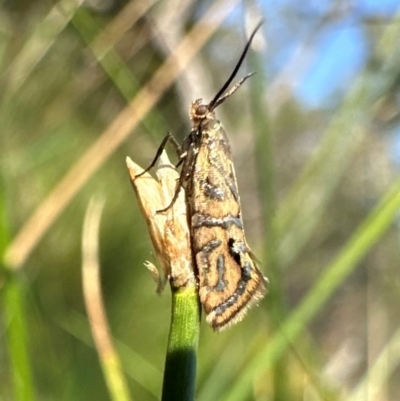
199 111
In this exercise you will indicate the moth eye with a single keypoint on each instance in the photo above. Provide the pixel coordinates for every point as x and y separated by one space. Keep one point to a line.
201 110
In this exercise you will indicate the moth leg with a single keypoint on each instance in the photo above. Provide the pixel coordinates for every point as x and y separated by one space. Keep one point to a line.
186 168
177 147
179 185
189 143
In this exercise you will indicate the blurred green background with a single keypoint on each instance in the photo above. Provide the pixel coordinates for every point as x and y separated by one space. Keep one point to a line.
315 140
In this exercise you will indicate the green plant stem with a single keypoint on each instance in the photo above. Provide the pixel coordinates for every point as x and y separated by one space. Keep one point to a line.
17 335
12 301
180 365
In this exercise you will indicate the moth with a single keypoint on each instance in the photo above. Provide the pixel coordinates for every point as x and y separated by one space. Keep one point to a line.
229 280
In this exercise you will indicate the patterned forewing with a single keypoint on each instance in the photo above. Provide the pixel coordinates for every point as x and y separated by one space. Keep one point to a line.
229 280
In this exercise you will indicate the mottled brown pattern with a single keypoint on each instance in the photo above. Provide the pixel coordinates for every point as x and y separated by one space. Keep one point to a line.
229 280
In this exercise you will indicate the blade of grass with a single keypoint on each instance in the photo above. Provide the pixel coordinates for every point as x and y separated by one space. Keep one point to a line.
109 358
363 239
14 320
266 179
40 41
386 363
119 25
17 335
106 56
115 67
135 365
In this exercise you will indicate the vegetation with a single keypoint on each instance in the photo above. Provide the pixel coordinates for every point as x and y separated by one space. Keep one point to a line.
85 84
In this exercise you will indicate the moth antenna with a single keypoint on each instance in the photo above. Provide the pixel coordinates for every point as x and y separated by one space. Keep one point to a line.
232 90
214 103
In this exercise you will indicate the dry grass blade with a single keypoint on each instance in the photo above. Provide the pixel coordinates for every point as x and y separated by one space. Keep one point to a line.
94 303
378 376
115 30
169 231
39 43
